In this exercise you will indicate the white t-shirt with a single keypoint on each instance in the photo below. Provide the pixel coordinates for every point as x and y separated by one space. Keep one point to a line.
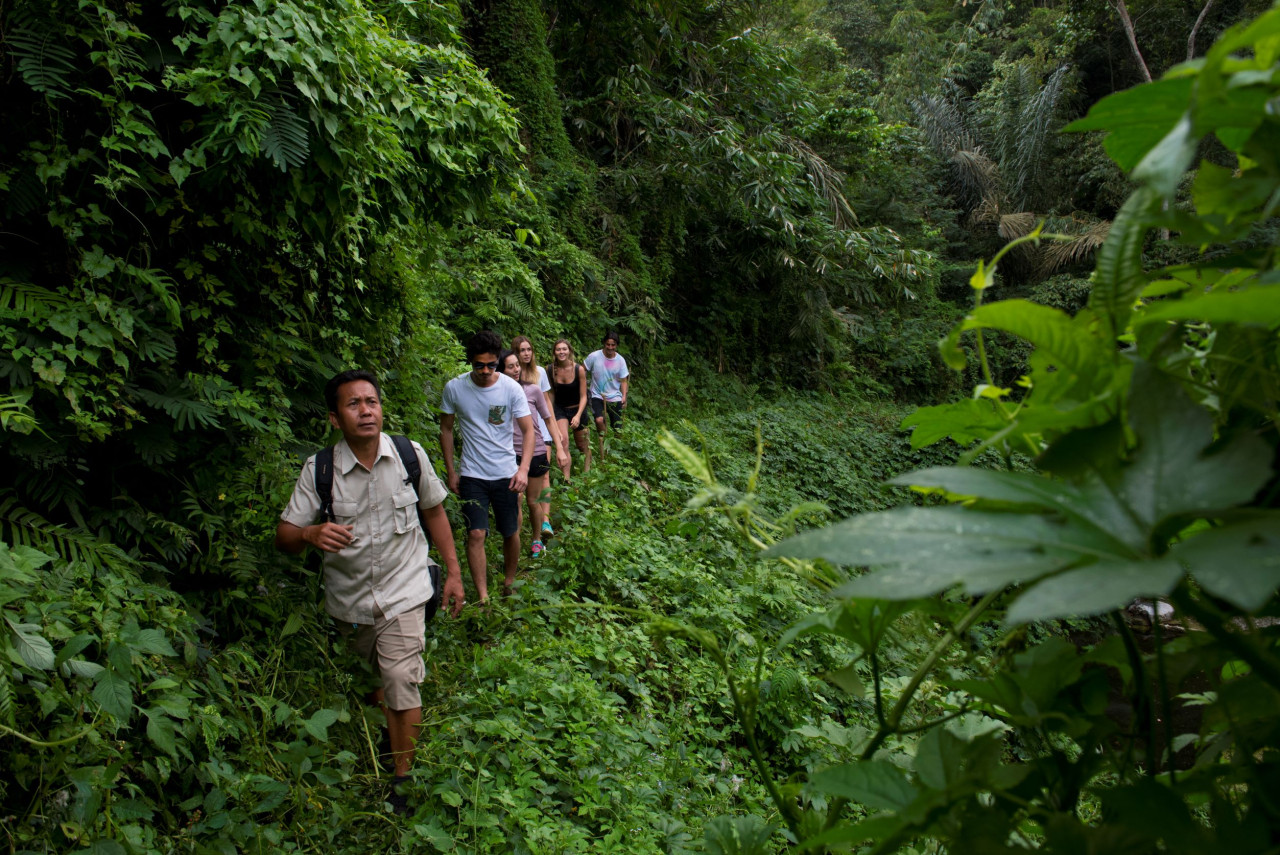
606 375
545 386
486 416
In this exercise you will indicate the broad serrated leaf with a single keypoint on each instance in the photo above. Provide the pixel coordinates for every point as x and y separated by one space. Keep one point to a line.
33 647
1069 346
82 668
874 783
160 730
1162 168
114 694
1170 473
1119 277
1091 504
1094 589
318 724
151 641
963 421
932 549
1239 562
848 680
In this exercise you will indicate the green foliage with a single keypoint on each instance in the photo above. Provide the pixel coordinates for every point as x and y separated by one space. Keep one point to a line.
1156 454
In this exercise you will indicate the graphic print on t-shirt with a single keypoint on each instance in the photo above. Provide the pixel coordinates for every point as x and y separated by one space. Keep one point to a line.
497 415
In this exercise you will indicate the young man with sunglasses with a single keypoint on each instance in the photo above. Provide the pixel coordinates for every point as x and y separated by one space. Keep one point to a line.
486 402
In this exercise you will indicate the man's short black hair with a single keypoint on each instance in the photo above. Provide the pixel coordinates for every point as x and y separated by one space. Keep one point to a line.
336 382
610 334
485 341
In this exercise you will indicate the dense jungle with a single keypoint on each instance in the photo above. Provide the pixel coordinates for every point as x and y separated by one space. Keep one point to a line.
945 516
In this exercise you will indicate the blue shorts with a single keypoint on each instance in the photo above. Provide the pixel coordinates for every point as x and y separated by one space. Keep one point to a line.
478 494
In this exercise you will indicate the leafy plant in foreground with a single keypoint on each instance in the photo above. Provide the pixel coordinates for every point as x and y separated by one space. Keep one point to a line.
1152 418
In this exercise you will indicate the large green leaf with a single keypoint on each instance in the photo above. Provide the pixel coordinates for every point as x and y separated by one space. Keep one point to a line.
1119 277
1092 504
1258 305
33 647
964 421
1052 331
1095 588
932 549
114 694
1138 118
874 783
1172 473
1239 562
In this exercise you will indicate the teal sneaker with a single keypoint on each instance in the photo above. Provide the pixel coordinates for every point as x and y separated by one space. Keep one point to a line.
547 530
537 548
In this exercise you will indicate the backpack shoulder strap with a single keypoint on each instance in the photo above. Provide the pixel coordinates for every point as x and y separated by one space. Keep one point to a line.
324 481
409 458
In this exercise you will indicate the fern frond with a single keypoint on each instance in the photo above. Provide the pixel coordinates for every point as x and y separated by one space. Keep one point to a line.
285 139
46 65
22 527
187 413
6 698
28 300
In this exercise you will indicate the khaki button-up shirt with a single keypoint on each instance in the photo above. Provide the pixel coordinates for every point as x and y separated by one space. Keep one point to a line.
385 569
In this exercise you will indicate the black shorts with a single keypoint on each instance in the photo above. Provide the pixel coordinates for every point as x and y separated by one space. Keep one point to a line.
477 495
538 465
599 407
567 415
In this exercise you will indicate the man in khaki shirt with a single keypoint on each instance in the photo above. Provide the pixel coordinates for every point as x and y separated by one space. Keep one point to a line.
375 554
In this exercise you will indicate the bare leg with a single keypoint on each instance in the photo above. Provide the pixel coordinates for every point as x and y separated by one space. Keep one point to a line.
402 727
476 561
510 560
601 431
564 432
537 509
584 445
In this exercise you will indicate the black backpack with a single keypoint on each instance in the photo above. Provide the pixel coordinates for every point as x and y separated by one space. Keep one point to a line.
324 487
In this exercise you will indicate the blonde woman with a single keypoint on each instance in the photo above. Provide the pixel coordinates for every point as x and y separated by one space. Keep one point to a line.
535 375
569 401
539 466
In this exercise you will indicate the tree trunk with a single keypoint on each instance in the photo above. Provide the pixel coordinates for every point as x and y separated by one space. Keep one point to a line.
1127 23
1191 40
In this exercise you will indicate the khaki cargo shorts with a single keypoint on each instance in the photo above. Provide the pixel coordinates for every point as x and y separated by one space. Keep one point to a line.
394 647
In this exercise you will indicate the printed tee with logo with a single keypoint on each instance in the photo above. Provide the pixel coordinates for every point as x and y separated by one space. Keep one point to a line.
606 375
485 417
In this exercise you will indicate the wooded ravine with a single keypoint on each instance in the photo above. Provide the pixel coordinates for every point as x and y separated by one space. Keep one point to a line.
945 516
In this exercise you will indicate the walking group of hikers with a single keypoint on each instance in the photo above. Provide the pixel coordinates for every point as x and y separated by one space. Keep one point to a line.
373 504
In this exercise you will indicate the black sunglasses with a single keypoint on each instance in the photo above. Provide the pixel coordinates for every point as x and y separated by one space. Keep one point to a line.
492 366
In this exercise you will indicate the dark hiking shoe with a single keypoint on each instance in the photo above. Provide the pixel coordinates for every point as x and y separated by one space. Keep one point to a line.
399 800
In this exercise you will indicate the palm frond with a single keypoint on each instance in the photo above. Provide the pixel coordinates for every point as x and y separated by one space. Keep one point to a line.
1035 123
1065 253
1014 226
977 178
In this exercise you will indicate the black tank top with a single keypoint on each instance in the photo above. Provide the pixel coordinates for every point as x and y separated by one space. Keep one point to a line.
567 395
